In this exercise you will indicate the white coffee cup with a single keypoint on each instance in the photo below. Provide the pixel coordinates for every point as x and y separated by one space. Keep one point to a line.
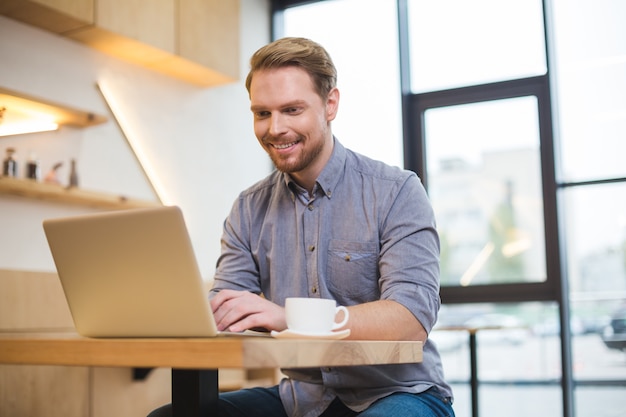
313 315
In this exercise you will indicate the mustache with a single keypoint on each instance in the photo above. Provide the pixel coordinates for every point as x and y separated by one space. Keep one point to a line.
269 138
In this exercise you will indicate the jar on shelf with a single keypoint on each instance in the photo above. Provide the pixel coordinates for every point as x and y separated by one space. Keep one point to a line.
32 168
9 165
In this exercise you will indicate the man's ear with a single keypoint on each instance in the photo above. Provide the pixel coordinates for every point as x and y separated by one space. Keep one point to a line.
332 104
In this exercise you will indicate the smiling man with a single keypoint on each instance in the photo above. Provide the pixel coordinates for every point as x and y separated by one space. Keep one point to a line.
328 223
292 122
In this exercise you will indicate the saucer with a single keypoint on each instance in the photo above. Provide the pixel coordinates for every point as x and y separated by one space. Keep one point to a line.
290 334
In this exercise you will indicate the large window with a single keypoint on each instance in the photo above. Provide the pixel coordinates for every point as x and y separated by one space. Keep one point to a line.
479 133
513 113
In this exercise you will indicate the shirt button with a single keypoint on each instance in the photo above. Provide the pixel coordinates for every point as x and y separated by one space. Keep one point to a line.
314 290
326 369
311 248
310 207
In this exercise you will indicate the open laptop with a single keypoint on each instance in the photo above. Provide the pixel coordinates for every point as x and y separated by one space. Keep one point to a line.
131 273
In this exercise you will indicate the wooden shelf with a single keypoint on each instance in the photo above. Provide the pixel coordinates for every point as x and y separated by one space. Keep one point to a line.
61 114
76 196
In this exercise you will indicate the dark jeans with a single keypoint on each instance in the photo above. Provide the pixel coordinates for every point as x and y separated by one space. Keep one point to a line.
265 402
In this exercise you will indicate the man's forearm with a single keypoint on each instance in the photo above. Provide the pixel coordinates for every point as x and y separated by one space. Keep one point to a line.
384 320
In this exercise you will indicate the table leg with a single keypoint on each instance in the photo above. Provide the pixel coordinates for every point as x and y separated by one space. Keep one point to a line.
473 373
194 393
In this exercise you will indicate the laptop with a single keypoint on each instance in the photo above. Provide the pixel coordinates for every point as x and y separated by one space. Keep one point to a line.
131 273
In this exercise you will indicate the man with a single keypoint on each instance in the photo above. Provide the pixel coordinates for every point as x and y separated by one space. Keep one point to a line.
328 223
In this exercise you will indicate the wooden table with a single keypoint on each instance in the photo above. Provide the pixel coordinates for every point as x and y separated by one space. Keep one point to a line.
195 362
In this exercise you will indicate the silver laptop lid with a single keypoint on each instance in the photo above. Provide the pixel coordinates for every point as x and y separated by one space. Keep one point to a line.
130 273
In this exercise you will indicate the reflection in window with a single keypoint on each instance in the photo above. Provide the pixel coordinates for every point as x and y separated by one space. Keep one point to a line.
484 179
595 231
518 357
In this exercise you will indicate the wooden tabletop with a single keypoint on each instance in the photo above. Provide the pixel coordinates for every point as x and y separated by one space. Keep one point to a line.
200 353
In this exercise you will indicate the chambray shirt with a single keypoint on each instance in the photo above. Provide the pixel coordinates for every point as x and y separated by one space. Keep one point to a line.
366 233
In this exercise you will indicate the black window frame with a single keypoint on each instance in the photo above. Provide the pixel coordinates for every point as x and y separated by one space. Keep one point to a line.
414 153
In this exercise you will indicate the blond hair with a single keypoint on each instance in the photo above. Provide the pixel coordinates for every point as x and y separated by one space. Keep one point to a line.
296 52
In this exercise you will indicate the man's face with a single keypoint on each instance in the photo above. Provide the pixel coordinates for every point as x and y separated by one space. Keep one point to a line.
291 121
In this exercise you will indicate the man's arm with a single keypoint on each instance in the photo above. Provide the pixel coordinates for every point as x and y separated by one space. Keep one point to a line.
378 320
384 320
409 272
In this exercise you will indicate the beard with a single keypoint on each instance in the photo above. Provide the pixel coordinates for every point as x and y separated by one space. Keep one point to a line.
309 151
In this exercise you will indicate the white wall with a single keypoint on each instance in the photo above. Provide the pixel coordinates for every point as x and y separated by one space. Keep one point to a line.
199 141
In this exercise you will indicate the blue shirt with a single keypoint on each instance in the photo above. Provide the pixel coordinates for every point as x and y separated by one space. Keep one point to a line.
366 233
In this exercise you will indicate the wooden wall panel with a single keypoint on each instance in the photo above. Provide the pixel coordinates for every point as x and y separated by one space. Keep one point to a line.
57 16
115 393
51 391
32 301
78 9
208 32
150 22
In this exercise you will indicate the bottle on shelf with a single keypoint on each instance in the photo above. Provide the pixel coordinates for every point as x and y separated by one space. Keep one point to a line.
73 181
9 165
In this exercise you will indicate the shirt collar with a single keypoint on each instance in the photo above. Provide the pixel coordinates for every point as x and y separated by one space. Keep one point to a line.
329 177
332 172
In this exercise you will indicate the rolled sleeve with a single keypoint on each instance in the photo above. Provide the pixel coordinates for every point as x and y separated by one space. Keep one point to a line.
409 255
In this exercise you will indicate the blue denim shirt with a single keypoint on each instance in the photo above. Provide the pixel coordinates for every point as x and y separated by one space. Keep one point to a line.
366 233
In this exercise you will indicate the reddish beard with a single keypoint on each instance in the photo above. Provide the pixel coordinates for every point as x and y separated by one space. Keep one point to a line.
293 162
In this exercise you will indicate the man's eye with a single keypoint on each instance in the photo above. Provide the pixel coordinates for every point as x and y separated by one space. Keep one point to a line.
261 114
292 110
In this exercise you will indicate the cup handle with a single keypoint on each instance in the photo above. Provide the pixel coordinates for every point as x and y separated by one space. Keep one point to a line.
345 317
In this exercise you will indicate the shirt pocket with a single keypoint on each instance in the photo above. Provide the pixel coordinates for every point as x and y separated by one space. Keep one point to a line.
353 271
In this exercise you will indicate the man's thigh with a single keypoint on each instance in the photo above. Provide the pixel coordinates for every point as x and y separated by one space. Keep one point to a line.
265 402
253 402
410 405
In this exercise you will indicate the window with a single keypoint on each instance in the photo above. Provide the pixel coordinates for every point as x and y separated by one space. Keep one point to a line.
590 52
456 43
518 360
514 116
484 179
590 94
480 125
369 119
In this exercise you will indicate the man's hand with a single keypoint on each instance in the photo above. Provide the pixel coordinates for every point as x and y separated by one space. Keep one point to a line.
237 311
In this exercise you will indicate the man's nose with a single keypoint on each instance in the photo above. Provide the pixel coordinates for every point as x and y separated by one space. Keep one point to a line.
277 125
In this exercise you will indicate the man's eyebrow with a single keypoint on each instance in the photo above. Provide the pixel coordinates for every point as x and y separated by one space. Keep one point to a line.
295 103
